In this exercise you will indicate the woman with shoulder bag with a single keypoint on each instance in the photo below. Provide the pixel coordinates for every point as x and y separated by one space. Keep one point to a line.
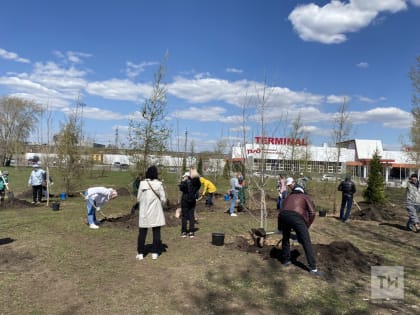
151 197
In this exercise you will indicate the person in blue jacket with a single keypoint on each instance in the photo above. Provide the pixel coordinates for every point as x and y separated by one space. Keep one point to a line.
36 180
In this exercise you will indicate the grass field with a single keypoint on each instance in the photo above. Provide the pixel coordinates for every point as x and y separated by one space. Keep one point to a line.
52 263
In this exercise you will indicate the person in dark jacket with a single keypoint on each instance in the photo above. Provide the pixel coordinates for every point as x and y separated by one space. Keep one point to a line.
298 213
190 186
348 188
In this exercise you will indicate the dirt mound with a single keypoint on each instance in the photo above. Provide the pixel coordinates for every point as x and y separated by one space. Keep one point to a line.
335 259
371 212
123 192
131 220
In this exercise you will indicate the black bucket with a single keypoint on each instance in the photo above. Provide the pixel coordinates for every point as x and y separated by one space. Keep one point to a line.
218 239
322 213
55 206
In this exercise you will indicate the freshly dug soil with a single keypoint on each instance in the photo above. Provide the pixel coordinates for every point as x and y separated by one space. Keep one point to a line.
334 259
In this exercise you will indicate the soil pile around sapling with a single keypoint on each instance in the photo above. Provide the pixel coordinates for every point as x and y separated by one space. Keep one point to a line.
131 220
374 212
335 259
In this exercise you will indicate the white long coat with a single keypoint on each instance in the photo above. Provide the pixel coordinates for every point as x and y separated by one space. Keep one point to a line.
151 209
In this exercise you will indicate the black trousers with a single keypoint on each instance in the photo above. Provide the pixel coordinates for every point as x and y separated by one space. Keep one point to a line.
287 221
188 215
37 193
141 240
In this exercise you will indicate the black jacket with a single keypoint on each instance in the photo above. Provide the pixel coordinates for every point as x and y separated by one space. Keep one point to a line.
347 187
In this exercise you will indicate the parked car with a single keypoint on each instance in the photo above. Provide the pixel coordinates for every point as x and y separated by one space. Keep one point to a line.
329 178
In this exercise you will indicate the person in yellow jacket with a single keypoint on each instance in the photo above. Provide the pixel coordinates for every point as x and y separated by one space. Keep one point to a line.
208 190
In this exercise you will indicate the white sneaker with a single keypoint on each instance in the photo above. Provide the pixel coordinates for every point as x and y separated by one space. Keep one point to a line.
155 256
233 215
93 226
139 257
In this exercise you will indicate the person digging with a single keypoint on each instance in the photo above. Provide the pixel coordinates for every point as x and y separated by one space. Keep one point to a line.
95 198
298 213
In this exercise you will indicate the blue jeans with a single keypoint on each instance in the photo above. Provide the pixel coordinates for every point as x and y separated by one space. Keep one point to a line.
209 199
91 211
280 200
233 201
346 199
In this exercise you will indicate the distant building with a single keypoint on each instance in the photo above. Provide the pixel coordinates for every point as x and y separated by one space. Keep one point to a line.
291 156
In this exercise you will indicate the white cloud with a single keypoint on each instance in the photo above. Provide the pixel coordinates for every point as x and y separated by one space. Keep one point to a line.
415 2
119 90
238 93
337 99
12 56
390 117
330 23
215 113
369 100
363 65
132 70
73 57
98 113
234 70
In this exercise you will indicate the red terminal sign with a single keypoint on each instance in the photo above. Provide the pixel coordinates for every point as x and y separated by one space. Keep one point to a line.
279 141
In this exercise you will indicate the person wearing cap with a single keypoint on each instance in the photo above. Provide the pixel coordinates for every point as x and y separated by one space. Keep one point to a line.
190 187
290 182
95 199
36 180
297 213
348 188
413 203
4 182
151 197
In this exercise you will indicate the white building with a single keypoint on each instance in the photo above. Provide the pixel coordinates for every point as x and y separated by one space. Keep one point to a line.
285 155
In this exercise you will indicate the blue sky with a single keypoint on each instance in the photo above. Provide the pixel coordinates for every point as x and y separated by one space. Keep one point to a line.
310 56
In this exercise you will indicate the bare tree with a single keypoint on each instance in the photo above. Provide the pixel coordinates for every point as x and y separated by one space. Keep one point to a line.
340 132
150 134
18 118
70 161
415 111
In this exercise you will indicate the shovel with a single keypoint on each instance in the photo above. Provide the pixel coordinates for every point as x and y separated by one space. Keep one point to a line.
10 194
97 208
357 205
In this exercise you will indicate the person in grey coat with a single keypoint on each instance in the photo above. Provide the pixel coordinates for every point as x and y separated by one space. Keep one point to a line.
151 197
413 203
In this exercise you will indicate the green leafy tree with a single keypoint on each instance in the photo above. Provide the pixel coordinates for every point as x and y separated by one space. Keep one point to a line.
226 170
375 190
149 134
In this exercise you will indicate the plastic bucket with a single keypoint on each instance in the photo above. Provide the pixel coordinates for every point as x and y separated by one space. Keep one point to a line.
63 196
322 213
226 197
218 239
55 206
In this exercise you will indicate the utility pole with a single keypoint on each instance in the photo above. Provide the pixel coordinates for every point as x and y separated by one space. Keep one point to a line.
116 138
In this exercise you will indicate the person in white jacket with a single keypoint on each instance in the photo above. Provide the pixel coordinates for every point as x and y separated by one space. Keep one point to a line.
95 198
151 197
